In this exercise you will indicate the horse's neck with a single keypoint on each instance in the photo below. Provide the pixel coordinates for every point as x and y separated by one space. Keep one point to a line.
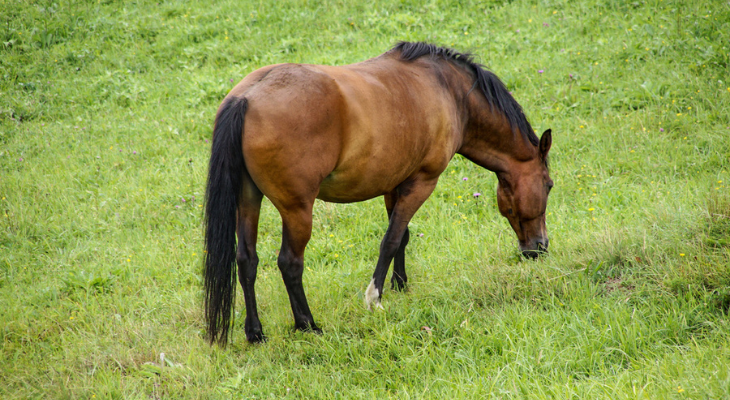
490 142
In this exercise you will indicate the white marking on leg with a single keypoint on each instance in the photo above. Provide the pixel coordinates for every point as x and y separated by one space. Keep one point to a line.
372 296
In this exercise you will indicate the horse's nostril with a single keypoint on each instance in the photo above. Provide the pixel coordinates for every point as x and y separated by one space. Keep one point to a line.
530 253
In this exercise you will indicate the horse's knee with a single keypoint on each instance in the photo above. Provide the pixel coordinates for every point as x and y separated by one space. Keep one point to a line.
406 238
390 245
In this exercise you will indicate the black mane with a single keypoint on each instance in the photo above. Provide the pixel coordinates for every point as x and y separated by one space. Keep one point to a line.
493 89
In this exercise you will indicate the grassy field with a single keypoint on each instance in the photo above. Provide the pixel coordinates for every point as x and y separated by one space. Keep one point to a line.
106 111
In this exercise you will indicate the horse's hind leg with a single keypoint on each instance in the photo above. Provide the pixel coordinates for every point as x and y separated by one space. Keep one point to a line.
246 257
296 232
399 278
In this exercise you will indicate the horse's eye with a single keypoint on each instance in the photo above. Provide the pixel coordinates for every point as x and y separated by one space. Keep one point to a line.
549 186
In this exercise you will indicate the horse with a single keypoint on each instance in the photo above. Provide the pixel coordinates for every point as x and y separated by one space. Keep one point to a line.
387 126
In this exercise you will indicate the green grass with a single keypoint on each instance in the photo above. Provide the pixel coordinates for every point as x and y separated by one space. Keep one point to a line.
105 108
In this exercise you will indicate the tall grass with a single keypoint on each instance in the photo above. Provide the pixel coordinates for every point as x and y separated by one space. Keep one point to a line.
106 110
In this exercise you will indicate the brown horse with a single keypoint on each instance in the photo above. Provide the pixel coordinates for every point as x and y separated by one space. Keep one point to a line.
386 127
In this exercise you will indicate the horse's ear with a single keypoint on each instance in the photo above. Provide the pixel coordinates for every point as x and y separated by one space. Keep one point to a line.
545 142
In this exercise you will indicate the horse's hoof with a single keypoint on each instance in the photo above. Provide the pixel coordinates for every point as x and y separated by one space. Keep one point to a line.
398 285
255 337
309 328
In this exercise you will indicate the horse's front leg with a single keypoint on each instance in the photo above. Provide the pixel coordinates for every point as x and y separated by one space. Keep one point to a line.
411 194
399 278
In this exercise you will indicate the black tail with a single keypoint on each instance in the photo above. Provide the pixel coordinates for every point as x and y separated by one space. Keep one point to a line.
225 177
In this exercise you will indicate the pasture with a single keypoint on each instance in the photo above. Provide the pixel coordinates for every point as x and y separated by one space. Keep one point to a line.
106 111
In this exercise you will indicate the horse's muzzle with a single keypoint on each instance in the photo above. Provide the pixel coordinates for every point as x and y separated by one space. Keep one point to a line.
537 249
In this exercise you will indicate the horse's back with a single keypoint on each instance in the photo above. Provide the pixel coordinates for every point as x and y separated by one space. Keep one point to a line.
342 133
397 124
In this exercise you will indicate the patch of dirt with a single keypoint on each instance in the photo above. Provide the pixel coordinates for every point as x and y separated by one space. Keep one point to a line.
613 284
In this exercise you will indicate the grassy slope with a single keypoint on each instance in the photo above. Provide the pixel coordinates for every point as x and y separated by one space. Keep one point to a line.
105 108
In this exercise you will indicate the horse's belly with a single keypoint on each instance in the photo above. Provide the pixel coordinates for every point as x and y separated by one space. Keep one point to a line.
337 188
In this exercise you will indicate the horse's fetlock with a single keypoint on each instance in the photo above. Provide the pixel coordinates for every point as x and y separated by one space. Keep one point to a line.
372 296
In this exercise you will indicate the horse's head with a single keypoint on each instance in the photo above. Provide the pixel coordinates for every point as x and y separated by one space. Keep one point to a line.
522 195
